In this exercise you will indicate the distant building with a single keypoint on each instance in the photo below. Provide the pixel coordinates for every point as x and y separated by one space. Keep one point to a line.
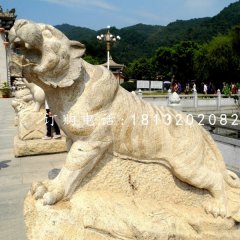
7 20
116 69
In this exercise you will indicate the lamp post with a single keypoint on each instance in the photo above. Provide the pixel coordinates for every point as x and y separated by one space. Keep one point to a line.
109 39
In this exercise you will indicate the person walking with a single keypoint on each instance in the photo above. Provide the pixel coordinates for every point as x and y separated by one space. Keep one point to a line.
174 87
205 88
179 88
194 88
50 122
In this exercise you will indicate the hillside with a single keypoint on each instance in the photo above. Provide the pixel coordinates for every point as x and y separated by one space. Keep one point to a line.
77 33
143 40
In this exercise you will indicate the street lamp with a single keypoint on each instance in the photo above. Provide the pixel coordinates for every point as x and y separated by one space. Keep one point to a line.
109 39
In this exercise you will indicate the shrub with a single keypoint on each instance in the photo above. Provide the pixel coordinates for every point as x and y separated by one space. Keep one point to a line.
5 89
129 86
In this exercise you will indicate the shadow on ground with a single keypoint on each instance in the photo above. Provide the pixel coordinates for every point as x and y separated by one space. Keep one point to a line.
53 173
4 164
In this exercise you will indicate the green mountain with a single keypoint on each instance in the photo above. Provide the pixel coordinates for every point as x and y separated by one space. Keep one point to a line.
77 33
143 40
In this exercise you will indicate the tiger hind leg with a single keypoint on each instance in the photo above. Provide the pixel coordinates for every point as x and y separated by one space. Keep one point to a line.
204 178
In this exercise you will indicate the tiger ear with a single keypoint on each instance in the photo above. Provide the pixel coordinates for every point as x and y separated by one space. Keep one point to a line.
77 49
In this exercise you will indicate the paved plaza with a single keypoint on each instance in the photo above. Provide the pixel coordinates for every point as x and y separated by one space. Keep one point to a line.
16 175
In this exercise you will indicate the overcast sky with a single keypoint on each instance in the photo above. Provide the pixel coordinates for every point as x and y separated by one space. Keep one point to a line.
97 14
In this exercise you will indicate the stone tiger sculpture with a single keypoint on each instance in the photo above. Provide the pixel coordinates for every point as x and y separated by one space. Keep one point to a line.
75 88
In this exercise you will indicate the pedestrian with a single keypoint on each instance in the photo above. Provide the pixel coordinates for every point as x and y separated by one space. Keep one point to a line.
50 122
205 88
13 88
234 88
179 87
194 88
174 87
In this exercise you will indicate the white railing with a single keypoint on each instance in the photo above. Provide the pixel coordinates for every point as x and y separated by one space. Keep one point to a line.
195 101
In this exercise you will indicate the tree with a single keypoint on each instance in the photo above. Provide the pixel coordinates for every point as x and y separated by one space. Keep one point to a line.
141 68
183 54
177 60
129 86
163 61
217 61
91 59
200 64
235 35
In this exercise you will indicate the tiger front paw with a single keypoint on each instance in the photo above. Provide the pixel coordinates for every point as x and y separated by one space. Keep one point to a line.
50 192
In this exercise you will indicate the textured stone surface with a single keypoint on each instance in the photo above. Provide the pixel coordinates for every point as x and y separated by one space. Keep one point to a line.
141 176
23 99
30 119
31 129
121 199
37 94
38 146
31 125
15 69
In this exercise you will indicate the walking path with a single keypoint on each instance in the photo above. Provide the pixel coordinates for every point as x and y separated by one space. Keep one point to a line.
16 175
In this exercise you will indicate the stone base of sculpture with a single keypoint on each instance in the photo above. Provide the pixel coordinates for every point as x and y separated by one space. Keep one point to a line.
122 199
38 146
177 107
31 129
31 125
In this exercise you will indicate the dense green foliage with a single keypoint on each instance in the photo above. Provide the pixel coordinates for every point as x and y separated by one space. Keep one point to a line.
203 50
177 60
130 85
217 61
141 68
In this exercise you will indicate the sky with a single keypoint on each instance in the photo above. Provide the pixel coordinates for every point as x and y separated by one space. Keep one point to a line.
98 14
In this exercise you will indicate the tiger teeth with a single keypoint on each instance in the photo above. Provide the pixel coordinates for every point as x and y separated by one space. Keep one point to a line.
27 46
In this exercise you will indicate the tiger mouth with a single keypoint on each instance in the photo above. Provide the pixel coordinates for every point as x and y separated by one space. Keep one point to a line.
26 54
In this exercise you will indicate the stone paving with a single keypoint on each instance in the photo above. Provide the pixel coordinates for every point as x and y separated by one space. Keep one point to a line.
17 174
